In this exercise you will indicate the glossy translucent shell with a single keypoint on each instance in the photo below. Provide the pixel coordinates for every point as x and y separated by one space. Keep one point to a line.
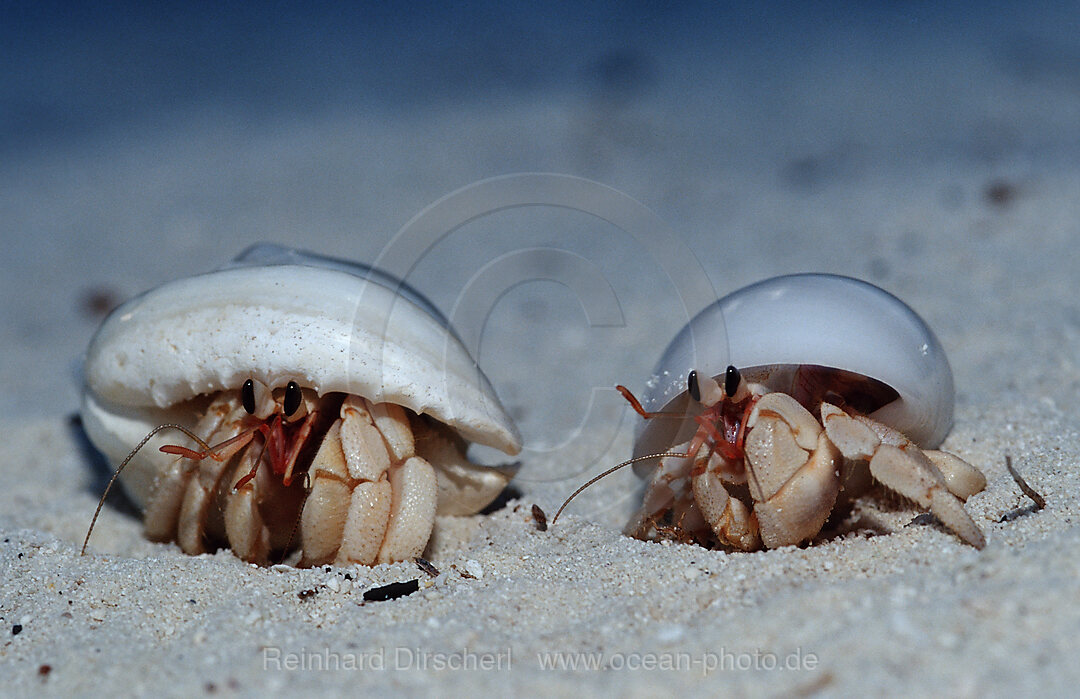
279 315
818 319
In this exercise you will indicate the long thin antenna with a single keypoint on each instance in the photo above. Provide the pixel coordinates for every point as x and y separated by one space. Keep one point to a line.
610 471
124 463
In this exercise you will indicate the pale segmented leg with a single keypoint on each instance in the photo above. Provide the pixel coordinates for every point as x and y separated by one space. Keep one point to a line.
245 530
372 499
162 514
961 478
669 502
734 524
901 466
200 494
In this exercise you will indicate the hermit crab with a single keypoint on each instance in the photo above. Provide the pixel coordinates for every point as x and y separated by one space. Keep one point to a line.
788 398
320 409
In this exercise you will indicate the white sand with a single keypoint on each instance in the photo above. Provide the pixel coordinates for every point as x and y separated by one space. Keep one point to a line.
801 146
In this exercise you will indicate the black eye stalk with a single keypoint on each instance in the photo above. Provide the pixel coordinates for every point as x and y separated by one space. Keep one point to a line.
731 380
293 396
247 395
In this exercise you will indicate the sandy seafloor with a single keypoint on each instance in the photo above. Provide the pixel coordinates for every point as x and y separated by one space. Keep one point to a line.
935 153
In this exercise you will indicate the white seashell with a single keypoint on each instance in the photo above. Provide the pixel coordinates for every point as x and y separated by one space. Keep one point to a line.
276 315
767 328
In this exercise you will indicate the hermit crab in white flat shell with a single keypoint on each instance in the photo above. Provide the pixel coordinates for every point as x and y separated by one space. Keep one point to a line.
327 406
839 384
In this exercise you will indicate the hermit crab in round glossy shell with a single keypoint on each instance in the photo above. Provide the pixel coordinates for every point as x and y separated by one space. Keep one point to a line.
321 410
788 398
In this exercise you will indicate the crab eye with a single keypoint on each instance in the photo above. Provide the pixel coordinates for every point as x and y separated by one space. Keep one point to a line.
731 380
247 395
293 396
693 387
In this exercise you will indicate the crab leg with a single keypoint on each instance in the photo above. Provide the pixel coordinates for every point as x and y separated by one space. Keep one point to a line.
731 520
901 466
245 529
163 507
961 478
372 500
413 487
323 519
199 494
668 490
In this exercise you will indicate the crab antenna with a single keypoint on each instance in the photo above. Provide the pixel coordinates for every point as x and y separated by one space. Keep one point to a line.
636 405
116 474
608 472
